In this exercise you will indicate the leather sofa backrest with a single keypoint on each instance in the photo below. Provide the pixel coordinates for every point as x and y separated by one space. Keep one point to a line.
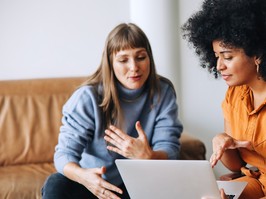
30 118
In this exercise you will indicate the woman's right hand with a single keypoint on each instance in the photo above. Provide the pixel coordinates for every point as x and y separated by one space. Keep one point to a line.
92 179
222 142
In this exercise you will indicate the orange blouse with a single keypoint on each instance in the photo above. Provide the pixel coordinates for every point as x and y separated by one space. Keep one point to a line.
247 124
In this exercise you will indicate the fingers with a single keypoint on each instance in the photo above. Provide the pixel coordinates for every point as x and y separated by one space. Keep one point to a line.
140 130
213 160
118 136
126 145
93 181
115 135
107 191
99 171
219 142
216 156
222 194
118 140
103 170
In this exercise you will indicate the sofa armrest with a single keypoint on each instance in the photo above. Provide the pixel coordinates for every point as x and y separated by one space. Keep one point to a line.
192 148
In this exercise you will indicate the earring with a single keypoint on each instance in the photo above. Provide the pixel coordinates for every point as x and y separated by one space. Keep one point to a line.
258 70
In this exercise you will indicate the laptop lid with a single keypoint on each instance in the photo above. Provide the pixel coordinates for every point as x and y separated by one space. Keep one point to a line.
171 179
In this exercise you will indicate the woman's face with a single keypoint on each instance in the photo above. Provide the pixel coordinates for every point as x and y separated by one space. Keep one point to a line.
132 67
234 65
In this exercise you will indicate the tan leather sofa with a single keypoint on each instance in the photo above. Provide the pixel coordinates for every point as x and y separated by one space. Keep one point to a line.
30 117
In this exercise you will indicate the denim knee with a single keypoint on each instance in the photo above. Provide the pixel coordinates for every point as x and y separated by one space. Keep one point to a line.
57 186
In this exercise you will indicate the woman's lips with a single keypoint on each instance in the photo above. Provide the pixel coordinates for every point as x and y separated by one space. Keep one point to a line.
226 77
135 78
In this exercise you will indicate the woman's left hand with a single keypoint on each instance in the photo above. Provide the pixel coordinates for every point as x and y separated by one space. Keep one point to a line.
127 146
222 193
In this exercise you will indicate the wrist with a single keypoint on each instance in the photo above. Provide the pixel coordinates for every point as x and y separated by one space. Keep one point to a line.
73 171
159 155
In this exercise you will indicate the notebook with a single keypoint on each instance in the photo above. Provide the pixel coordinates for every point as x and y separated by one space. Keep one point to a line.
171 179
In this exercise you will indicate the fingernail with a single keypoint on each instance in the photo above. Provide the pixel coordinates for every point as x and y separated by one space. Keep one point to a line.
111 127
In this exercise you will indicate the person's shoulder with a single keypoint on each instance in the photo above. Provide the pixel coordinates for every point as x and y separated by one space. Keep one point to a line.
81 102
84 94
166 84
165 81
84 90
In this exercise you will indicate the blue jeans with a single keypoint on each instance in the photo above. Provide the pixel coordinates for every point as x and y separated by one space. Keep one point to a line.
57 186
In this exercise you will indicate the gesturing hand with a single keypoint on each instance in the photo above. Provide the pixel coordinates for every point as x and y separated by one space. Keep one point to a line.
222 142
127 146
92 179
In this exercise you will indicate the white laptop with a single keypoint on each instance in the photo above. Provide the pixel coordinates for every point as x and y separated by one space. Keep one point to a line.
168 179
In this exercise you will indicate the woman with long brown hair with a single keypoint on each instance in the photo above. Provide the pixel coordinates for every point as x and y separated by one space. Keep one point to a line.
124 110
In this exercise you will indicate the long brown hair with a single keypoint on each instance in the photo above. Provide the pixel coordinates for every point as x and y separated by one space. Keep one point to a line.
122 37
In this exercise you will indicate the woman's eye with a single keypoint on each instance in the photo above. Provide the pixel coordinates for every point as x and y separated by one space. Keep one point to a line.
141 58
228 58
122 60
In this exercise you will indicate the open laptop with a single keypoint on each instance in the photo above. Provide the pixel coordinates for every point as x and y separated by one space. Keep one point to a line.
171 179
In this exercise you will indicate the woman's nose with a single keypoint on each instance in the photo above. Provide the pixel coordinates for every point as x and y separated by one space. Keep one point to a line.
220 65
133 65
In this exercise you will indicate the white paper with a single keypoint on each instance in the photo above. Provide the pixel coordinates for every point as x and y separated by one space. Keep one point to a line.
232 188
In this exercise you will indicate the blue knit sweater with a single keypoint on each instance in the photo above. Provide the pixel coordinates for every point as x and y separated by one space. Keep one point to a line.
81 134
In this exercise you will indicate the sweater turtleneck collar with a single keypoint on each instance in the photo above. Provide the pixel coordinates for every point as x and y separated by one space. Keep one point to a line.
129 94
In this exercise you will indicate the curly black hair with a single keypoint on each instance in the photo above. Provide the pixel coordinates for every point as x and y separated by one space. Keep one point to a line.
237 23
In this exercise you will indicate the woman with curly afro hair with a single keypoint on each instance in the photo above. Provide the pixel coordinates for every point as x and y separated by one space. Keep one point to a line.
229 36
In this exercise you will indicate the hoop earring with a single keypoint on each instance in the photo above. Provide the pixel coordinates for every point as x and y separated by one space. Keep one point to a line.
258 70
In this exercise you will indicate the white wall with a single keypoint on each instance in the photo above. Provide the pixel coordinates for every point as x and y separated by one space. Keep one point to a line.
55 38
201 94
58 38
159 21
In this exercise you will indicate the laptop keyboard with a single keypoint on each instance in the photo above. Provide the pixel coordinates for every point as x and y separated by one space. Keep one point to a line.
230 196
